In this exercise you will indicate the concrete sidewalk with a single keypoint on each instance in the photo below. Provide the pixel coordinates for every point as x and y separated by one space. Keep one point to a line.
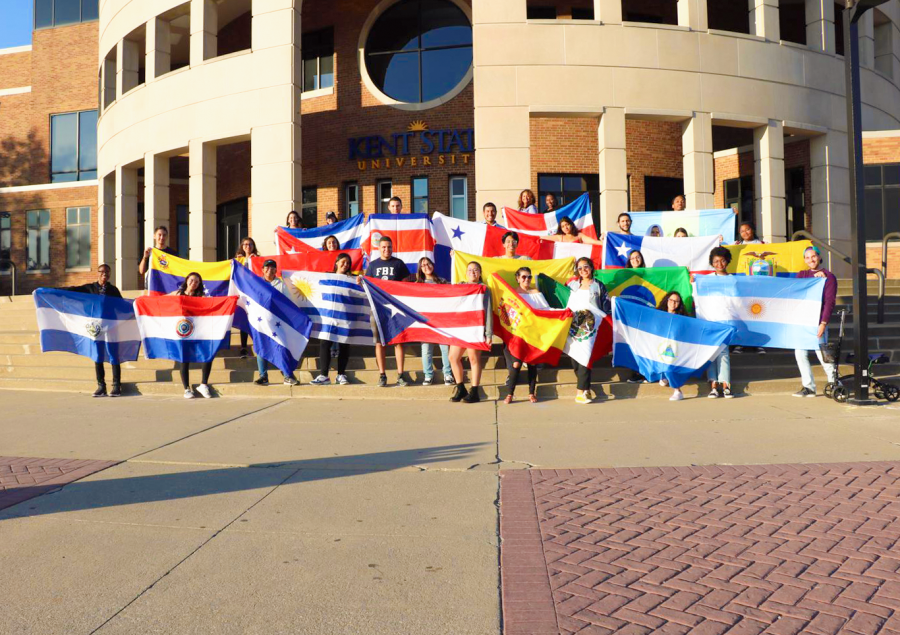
311 516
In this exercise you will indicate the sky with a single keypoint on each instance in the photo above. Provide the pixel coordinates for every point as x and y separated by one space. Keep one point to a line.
15 23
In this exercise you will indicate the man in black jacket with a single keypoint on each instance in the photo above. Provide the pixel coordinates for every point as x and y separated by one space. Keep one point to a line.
103 287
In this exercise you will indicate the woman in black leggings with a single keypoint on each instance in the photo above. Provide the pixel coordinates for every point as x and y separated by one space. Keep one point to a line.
193 286
342 266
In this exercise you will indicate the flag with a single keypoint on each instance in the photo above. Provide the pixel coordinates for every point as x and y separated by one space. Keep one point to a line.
279 329
697 222
590 335
768 312
184 328
692 253
167 273
777 259
321 261
535 336
660 345
350 233
560 269
410 233
96 326
450 314
336 305
647 286
578 211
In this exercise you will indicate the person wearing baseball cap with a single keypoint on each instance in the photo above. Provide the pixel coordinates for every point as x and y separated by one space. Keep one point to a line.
270 271
813 258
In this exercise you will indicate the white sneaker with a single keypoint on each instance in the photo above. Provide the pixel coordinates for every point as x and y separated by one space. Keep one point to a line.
677 395
664 382
342 380
203 389
321 380
188 394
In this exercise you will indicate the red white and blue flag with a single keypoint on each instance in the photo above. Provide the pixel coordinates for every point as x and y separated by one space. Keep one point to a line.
312 260
184 328
433 313
578 211
410 233
350 233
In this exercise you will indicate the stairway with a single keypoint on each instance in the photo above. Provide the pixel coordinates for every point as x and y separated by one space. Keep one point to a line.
24 367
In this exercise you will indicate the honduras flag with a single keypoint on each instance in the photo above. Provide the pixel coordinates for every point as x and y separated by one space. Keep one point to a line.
279 329
661 345
692 253
349 233
766 311
95 326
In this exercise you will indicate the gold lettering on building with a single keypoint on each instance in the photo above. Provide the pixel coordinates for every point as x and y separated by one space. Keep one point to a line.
440 159
412 162
400 161
465 159
376 163
361 165
426 160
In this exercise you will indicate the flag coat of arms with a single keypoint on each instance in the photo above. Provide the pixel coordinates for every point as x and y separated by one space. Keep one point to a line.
535 336
279 329
410 233
313 260
777 259
767 312
337 307
452 314
96 326
578 211
697 222
647 286
350 233
692 253
184 328
590 335
660 345
167 273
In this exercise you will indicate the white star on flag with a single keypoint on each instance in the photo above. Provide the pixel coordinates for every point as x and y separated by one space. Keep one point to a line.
622 250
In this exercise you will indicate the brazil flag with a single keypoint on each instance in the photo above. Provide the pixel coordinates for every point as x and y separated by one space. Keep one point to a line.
647 286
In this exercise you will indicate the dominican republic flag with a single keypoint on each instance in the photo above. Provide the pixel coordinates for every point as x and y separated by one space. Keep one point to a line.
350 233
184 328
766 311
313 260
410 233
579 211
692 253
279 329
436 313
95 326
660 345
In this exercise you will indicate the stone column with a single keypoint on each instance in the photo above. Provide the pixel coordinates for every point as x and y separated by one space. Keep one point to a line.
885 45
830 200
156 196
613 168
820 34
768 177
106 221
204 31
696 146
867 40
108 81
158 51
764 19
127 63
202 200
126 228
609 11
692 13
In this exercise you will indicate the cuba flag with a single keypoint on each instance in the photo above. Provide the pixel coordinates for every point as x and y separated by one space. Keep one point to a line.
279 329
661 345
350 233
184 328
95 326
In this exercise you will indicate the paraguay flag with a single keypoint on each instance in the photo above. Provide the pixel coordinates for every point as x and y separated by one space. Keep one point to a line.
184 328
167 273
350 233
579 211
692 253
95 326
410 233
697 222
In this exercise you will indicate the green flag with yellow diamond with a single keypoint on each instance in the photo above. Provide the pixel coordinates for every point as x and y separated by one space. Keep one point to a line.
647 286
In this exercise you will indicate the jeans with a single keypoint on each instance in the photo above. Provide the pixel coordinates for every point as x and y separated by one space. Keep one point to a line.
261 365
719 370
428 363
514 373
806 373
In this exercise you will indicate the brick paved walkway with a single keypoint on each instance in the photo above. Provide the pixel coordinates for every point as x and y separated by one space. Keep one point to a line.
779 549
23 478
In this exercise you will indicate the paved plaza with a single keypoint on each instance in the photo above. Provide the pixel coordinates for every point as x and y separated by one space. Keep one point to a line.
156 515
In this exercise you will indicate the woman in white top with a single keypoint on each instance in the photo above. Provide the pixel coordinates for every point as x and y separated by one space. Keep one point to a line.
585 291
568 233
527 202
537 301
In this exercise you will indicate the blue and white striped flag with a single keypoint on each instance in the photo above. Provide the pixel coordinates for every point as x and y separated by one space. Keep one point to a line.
661 345
96 326
765 311
336 305
349 233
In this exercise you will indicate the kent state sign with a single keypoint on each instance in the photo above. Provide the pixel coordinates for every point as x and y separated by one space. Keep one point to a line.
418 139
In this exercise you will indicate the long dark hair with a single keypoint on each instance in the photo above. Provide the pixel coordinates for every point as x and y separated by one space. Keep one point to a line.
420 276
287 220
325 243
201 291
342 257
584 259
566 219
480 279
253 250
638 252
664 304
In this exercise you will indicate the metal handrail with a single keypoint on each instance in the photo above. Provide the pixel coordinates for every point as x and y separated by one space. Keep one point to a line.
878 273
884 246
5 261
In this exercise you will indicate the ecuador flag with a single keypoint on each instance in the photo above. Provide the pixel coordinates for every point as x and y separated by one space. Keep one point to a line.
536 336
647 286
560 269
776 259
168 272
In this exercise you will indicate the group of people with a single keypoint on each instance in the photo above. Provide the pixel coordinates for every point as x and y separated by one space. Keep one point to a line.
584 288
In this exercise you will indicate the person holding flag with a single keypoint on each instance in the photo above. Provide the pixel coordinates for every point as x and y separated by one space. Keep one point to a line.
326 348
426 275
293 220
586 291
387 267
673 304
193 287
568 233
160 240
536 299
510 244
473 276
813 258
270 269
489 211
245 252
719 372
527 202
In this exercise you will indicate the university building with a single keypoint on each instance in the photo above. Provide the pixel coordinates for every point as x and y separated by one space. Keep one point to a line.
216 118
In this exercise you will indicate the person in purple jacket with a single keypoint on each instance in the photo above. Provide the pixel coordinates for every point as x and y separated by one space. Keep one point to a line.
813 258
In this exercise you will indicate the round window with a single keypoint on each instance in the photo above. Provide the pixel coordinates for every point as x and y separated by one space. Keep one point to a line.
419 50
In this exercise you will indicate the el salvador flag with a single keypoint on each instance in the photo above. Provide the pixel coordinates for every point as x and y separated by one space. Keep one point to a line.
279 329
660 345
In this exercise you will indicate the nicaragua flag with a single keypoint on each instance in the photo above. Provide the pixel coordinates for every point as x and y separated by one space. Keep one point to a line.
697 222
279 329
765 311
95 326
410 233
579 211
183 328
692 253
661 345
350 233
335 304
167 273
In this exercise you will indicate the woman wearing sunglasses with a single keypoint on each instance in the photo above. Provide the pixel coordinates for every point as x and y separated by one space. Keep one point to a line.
537 301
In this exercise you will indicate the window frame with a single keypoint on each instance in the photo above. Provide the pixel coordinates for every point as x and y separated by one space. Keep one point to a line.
40 229
412 190
81 227
305 206
318 49
465 195
347 211
381 201
53 24
78 171
743 216
883 188
184 250
6 230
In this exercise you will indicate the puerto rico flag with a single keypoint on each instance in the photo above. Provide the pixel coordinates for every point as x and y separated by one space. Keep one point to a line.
184 328
435 313
410 233
350 233
579 211
692 253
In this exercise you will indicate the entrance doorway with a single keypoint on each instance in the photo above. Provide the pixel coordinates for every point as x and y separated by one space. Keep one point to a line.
231 226
659 192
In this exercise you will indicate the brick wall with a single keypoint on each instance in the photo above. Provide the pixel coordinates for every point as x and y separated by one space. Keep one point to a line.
15 69
882 150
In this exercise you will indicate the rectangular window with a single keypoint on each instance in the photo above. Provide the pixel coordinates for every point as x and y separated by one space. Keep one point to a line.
420 195
73 146
78 237
540 13
50 13
566 188
459 197
5 241
183 230
351 193
739 197
318 59
882 200
583 13
38 240
384 190
309 210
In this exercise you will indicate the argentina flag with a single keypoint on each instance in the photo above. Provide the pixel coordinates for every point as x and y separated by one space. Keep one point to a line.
661 345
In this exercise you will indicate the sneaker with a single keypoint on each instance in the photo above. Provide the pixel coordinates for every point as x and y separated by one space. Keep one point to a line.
321 380
726 392
677 395
382 380
243 353
262 381
737 350
582 398
427 381
342 380
116 391
760 351
203 389
636 378
448 380
290 380
664 382
101 391
402 380
188 393
713 394
805 392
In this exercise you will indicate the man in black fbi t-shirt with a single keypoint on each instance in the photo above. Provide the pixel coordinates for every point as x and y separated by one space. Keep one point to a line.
387 268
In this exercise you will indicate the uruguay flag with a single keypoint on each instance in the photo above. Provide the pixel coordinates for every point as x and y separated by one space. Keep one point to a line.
661 345
95 326
335 304
184 328
766 311
692 253
350 233
579 211
279 329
